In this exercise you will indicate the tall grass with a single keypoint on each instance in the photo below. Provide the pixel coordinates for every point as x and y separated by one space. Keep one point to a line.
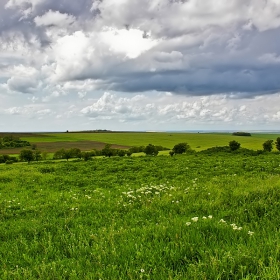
182 217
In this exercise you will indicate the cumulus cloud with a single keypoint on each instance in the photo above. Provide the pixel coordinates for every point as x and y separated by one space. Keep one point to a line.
186 47
54 18
62 50
211 109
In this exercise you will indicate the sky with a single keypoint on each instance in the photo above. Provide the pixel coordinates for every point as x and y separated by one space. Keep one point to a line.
130 65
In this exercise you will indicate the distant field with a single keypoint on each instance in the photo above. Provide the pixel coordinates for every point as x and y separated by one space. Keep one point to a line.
87 141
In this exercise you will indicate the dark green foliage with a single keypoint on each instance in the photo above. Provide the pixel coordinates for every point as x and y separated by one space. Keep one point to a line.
181 148
5 158
227 150
241 133
121 153
12 142
37 155
136 149
86 156
234 145
75 153
268 145
33 146
151 150
161 148
26 155
128 153
277 143
60 154
214 150
67 154
107 151
172 153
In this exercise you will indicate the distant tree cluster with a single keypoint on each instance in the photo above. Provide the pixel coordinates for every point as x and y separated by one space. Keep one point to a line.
12 142
7 159
141 149
241 133
67 154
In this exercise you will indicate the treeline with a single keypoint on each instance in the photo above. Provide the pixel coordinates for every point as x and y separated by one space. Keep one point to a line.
12 142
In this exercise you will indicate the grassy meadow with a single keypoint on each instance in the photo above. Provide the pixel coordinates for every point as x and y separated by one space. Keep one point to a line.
183 217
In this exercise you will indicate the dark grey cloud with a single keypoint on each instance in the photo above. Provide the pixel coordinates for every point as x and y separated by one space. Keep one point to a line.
197 70
194 48
18 19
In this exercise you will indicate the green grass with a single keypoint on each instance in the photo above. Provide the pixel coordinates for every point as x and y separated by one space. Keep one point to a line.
128 218
198 141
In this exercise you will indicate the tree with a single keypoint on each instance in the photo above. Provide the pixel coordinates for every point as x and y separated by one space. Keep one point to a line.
26 155
68 154
234 145
86 156
268 145
75 153
181 148
60 154
121 153
172 153
277 143
151 150
107 151
37 155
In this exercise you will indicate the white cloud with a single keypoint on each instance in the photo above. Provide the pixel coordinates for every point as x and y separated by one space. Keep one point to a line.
160 61
54 18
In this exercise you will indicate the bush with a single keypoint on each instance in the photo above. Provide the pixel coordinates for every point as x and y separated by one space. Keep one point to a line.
234 145
86 156
277 143
107 151
181 148
268 145
121 153
151 150
217 149
241 133
26 155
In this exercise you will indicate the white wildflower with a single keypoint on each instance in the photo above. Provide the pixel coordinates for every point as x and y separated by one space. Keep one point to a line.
188 223
210 216
194 219
250 233
222 221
